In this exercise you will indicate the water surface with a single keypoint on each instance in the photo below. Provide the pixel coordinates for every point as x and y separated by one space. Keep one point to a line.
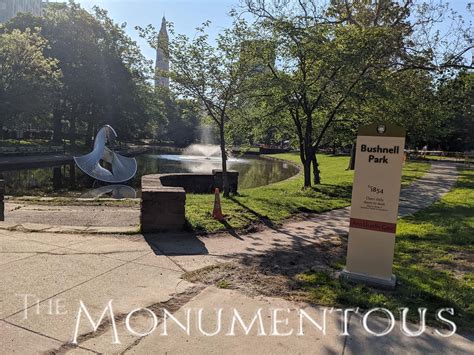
68 180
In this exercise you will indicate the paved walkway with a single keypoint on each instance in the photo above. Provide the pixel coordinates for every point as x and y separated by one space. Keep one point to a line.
58 271
17 212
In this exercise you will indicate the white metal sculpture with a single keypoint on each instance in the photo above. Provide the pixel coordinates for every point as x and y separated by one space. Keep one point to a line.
123 168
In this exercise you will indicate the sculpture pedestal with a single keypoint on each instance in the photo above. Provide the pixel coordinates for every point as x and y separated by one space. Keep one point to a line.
164 197
162 209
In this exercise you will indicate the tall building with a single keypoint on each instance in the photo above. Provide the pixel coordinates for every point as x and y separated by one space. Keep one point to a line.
11 8
162 65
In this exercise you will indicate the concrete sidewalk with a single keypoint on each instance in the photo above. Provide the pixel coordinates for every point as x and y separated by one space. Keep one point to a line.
58 271
79 218
305 338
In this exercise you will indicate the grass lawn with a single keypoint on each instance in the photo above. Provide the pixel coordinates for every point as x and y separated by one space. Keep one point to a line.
434 257
23 142
276 202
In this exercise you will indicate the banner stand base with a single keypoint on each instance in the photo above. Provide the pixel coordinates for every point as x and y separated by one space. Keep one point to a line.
386 284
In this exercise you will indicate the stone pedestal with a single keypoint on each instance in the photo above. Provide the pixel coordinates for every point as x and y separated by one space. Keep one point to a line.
162 209
164 197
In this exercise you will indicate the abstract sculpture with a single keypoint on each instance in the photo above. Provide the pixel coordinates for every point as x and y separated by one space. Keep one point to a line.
123 168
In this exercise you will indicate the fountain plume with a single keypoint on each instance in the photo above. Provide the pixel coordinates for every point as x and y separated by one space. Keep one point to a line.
205 150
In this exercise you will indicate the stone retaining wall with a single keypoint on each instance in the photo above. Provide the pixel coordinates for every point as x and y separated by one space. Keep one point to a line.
164 197
30 150
200 183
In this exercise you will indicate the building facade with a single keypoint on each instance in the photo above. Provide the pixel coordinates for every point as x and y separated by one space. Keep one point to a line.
162 64
11 8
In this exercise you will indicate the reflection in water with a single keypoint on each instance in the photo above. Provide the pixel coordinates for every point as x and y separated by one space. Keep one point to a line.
66 180
114 191
253 171
193 163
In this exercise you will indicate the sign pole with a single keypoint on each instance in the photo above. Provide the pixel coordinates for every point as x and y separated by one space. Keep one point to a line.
375 200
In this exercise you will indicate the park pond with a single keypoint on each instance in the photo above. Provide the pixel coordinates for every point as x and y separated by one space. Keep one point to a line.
68 180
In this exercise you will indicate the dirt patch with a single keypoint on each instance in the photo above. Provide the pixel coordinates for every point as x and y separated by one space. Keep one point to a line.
249 280
461 264
275 273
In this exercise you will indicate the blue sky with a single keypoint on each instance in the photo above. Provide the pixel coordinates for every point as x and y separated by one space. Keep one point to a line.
185 14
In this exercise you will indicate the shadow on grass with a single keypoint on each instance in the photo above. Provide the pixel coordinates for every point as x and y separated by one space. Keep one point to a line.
231 230
451 227
263 219
340 191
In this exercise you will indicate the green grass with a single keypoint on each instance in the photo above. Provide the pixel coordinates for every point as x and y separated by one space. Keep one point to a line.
277 202
414 170
433 263
223 284
23 142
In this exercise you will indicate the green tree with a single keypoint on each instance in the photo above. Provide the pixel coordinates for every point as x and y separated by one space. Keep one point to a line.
29 79
130 102
182 118
105 76
329 54
456 97
213 75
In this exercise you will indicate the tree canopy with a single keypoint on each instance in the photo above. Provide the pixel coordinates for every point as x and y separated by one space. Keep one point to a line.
104 75
301 71
29 79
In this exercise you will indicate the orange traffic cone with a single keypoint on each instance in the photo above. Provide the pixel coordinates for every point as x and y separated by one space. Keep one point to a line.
217 212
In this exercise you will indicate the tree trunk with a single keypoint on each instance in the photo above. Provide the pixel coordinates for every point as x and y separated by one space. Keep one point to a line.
89 133
352 160
72 133
72 175
72 130
225 180
57 178
307 172
57 127
316 172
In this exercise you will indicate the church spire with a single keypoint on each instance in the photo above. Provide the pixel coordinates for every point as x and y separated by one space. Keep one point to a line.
163 26
162 65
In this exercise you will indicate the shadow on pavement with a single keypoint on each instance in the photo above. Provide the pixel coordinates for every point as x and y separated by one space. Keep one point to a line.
175 244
